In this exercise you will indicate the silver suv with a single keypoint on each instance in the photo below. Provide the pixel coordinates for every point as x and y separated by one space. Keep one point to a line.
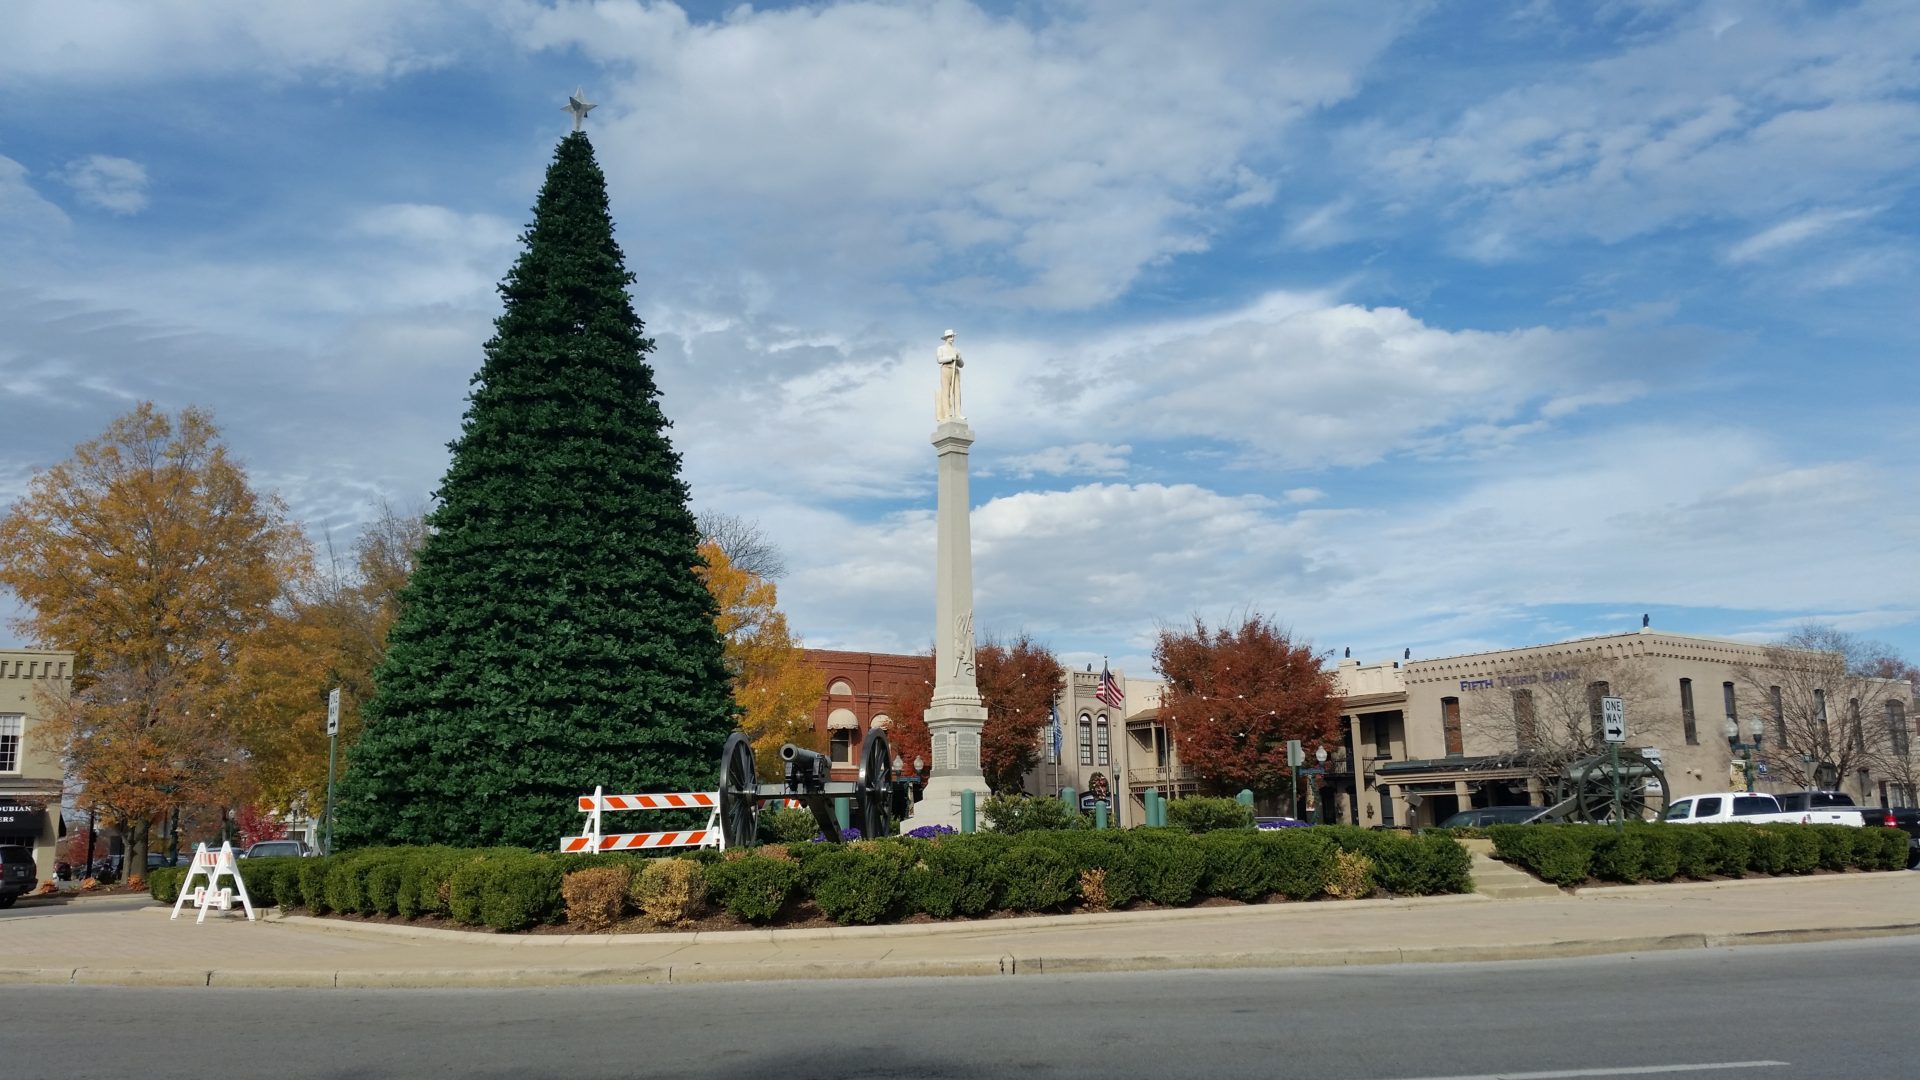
267 849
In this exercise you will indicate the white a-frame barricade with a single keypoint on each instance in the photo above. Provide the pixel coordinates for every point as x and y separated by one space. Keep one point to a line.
209 893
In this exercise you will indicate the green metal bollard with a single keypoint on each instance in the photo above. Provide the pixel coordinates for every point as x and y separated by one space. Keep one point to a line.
1070 799
966 811
1100 815
843 813
1153 807
1245 798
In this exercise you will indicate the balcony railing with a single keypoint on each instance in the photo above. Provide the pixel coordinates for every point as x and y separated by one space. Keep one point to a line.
1174 774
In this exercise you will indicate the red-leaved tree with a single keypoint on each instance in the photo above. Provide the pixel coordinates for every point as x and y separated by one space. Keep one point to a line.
1017 682
255 826
1235 695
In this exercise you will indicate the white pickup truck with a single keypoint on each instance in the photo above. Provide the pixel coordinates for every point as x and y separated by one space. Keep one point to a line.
1753 808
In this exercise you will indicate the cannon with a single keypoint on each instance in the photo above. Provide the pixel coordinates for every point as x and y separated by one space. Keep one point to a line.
878 798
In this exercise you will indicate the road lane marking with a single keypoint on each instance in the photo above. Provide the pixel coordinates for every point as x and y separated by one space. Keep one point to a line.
1624 1070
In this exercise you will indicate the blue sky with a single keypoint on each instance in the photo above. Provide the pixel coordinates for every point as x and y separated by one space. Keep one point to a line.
1430 326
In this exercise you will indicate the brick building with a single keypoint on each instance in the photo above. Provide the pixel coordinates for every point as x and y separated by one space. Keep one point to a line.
861 690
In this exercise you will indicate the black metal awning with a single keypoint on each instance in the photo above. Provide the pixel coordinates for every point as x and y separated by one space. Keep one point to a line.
22 818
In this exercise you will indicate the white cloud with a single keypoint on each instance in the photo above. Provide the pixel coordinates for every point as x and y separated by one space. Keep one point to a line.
973 156
1673 127
1303 495
24 213
90 41
115 184
1793 231
1080 459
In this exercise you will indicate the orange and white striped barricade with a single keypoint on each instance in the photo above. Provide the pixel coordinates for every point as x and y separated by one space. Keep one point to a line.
209 894
596 839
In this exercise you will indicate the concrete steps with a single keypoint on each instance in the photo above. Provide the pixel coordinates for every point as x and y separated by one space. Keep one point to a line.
1491 877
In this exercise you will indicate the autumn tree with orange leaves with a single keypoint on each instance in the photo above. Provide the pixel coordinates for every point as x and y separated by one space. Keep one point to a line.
331 631
149 555
1235 695
1018 681
773 686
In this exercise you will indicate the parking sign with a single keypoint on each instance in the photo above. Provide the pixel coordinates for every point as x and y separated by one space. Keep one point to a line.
333 711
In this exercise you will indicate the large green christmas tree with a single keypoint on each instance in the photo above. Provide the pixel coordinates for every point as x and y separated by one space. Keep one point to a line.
553 636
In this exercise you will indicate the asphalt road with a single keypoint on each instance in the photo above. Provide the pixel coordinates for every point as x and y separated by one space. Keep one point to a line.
1762 1013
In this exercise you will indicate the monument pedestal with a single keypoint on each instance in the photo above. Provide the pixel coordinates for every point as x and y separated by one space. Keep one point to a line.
956 716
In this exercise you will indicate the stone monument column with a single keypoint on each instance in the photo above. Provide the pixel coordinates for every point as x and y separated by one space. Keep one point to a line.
955 718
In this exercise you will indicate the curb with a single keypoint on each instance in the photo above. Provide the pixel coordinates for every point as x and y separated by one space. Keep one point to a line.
777 971
851 933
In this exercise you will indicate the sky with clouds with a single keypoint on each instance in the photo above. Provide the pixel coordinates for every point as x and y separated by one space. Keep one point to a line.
1430 326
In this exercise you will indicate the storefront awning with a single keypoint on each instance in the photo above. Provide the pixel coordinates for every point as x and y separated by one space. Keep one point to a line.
842 718
22 818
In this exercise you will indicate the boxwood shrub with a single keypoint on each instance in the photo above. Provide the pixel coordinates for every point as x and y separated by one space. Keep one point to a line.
1571 854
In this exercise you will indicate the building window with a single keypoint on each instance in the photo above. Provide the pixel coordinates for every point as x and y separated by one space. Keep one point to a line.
1100 740
1596 691
1526 723
1382 737
1897 726
11 728
842 747
1820 718
1779 717
1450 721
1726 697
1086 739
1686 712
1855 729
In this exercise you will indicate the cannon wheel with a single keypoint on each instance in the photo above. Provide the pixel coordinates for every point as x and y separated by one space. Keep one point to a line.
1643 795
874 794
739 792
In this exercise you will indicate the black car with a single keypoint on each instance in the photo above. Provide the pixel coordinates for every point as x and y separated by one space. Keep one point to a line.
1483 816
18 875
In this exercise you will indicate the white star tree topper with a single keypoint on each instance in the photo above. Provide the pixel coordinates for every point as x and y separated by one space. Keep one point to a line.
579 106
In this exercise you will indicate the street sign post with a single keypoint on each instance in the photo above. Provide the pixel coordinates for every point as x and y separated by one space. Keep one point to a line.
333 743
1613 728
1295 757
1613 719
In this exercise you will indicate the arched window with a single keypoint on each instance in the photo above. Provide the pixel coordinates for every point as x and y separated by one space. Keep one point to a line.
1100 739
1086 739
843 731
839 688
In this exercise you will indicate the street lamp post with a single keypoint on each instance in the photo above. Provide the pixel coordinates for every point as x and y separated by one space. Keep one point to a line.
1755 731
1319 802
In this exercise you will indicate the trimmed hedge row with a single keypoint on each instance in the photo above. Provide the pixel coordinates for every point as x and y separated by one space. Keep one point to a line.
878 880
1570 854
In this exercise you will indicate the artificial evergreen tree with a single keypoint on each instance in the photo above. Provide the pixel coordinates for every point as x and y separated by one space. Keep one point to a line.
554 635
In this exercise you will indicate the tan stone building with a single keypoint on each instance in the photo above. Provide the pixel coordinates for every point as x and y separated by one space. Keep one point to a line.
30 776
1431 737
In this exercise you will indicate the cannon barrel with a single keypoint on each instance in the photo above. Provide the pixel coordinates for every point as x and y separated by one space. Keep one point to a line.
806 769
790 752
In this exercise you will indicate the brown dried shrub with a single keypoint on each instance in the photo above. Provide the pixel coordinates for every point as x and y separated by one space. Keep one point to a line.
1093 889
596 897
670 891
1352 877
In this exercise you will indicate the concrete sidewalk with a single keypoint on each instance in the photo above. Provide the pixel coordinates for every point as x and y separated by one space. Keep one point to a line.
143 948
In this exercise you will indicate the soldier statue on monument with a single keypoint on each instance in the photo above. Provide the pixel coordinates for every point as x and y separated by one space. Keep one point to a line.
947 406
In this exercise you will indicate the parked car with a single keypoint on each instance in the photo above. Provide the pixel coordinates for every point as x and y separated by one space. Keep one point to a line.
267 849
1279 823
18 875
1483 816
1812 800
1754 808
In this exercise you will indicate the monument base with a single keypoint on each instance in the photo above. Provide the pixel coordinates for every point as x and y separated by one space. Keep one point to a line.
954 722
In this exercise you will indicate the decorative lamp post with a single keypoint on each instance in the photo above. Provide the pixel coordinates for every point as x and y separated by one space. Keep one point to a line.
1755 731
1319 803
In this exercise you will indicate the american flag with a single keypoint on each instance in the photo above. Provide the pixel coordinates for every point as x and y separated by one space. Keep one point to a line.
1109 693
